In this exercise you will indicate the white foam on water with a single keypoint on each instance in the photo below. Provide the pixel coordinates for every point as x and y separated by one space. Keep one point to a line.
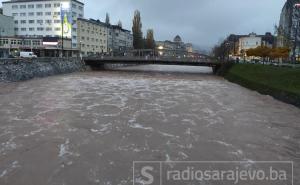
11 168
139 126
167 134
223 143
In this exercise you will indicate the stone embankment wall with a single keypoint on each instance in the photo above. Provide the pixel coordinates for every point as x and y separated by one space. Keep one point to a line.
25 69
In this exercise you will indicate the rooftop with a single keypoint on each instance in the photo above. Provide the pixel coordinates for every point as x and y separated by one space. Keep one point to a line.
25 1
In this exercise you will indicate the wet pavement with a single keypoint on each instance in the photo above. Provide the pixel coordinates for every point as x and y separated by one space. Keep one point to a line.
88 128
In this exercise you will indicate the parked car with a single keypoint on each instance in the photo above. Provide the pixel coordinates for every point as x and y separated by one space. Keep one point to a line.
27 55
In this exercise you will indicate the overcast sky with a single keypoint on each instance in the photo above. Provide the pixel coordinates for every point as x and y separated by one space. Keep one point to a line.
202 22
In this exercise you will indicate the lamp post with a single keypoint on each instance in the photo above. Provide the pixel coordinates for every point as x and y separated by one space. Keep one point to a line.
80 42
296 15
62 38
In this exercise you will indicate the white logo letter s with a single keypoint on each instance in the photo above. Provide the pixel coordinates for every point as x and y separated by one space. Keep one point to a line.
147 175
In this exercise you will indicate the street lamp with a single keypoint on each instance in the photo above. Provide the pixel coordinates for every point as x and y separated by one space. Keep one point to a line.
80 42
160 47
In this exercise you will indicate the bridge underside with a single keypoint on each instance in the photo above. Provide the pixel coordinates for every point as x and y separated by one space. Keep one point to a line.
99 63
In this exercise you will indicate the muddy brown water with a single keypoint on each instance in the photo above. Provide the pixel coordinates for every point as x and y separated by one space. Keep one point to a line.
89 127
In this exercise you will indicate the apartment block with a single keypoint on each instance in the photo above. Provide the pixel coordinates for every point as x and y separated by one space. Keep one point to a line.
92 37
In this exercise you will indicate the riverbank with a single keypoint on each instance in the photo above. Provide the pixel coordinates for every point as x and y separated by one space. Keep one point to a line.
26 69
282 83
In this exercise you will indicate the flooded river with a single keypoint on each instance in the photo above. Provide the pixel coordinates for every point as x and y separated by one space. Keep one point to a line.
88 128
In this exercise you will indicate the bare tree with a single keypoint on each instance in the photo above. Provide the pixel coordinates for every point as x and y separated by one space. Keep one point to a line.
150 42
137 31
120 24
107 19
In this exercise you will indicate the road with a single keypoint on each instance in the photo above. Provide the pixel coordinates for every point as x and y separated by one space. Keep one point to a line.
89 127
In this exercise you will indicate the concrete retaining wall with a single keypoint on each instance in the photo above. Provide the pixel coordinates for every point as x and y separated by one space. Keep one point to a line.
25 69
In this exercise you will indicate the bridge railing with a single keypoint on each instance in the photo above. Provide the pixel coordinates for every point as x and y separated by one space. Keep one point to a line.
146 58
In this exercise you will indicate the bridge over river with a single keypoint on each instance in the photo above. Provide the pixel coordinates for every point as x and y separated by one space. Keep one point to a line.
99 62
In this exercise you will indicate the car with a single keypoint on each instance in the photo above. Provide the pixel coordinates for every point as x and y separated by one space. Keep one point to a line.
27 55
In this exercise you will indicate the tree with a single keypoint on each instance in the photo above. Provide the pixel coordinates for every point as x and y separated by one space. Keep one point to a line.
107 19
150 42
137 31
120 24
221 51
280 53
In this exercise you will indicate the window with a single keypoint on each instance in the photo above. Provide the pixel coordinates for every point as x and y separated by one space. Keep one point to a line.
14 7
23 21
15 14
31 14
48 13
80 8
56 21
31 21
48 21
48 29
39 6
39 13
16 29
47 5
40 29
31 29
16 21
56 5
23 29
74 6
22 6
22 14
30 6
36 42
56 13
40 21
3 41
57 29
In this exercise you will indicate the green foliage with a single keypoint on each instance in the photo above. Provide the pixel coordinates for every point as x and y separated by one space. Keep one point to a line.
272 53
280 82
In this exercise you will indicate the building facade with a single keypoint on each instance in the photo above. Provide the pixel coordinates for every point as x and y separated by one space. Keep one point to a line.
175 48
239 44
45 18
92 37
119 40
6 26
41 46
288 21
248 42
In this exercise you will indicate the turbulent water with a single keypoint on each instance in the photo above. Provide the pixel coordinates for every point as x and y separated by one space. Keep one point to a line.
88 128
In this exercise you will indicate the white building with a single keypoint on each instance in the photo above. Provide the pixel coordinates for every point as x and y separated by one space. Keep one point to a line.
43 17
248 42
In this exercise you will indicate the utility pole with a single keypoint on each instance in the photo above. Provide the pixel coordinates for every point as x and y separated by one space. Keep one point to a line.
62 38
